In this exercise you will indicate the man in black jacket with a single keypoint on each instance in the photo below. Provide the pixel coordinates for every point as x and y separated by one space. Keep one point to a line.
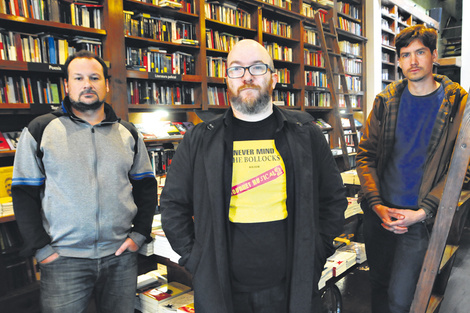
254 198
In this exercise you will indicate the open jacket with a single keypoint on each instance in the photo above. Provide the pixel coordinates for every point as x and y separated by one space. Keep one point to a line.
377 142
195 189
81 190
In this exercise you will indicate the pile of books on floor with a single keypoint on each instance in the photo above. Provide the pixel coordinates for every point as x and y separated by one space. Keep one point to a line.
160 296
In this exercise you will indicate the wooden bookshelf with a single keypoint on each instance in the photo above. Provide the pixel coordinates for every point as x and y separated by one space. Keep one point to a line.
114 39
292 14
396 16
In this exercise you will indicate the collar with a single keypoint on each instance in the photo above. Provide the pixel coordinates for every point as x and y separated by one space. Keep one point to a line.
280 117
110 115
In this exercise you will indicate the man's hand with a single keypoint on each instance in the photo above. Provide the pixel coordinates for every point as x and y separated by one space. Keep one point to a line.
398 220
129 244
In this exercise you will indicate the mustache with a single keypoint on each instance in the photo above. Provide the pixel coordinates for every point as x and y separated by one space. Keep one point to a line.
89 90
248 86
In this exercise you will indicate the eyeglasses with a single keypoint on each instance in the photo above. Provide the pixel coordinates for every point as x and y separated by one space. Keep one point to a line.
255 70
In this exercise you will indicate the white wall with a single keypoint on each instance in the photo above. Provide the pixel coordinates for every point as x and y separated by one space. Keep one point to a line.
373 63
465 70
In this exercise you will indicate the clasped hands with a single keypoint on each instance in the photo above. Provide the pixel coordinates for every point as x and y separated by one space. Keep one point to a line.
398 220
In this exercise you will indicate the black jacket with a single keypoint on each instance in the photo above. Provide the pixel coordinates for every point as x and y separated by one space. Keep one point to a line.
195 188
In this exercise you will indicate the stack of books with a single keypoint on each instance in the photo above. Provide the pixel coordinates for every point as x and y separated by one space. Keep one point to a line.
6 206
149 280
358 248
341 261
151 299
170 4
162 247
175 303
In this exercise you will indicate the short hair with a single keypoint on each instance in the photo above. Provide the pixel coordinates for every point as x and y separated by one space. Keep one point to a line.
427 36
86 55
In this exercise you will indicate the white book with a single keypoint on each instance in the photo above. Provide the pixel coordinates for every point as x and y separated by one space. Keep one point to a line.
11 90
12 47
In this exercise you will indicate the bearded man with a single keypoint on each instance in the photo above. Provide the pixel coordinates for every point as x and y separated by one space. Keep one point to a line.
254 198
84 196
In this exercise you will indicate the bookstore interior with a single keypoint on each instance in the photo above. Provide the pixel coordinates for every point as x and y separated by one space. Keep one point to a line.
167 68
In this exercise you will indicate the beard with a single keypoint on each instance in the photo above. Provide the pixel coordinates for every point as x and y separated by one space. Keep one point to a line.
252 105
84 107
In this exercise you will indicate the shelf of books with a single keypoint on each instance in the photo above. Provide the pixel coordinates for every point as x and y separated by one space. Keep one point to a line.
225 23
350 25
164 56
174 55
161 53
18 273
36 40
36 37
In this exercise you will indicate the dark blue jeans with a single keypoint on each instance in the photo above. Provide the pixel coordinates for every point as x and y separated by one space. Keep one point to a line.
395 263
68 284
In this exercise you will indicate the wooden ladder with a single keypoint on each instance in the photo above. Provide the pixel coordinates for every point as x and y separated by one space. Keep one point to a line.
448 227
337 85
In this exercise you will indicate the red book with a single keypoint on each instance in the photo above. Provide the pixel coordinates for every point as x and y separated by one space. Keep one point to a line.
157 294
4 146
19 47
17 8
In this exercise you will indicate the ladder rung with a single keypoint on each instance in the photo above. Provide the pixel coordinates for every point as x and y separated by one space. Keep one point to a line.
334 54
434 303
449 251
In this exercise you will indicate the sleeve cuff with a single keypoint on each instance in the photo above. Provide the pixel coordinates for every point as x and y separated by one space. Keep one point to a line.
44 253
139 239
429 213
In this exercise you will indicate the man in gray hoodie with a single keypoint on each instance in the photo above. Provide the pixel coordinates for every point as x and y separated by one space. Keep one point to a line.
84 196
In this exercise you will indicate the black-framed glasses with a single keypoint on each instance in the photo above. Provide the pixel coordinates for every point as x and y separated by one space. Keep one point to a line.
255 70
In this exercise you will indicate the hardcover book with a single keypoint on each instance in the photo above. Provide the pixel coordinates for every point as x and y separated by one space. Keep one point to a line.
150 299
173 304
12 138
4 146
186 309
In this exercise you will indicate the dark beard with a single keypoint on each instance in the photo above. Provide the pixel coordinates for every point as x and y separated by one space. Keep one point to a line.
83 107
254 107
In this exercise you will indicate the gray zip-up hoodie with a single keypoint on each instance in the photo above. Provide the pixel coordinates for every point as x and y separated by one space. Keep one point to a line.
81 190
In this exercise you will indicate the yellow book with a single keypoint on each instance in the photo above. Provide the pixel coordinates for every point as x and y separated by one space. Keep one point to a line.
6 175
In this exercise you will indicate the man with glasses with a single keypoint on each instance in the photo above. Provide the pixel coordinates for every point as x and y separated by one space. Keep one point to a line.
253 199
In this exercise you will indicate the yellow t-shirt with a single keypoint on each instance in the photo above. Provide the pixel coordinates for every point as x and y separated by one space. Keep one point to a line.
258 183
